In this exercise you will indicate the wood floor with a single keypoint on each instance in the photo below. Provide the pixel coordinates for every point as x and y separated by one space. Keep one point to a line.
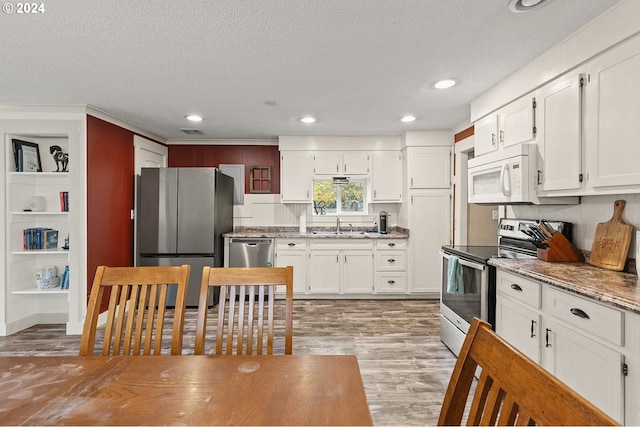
405 367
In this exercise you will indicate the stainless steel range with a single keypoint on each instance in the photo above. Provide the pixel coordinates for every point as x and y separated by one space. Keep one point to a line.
468 282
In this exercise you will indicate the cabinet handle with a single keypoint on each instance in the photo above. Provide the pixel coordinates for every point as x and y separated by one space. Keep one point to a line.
391 282
533 324
337 167
292 244
581 314
501 137
344 168
516 287
412 182
493 140
345 258
546 338
391 260
391 244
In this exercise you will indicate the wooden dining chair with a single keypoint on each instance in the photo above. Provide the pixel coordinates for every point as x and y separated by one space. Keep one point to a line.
511 389
245 311
137 310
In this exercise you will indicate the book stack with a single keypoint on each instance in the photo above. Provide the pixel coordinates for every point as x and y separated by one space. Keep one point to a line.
64 279
39 238
64 201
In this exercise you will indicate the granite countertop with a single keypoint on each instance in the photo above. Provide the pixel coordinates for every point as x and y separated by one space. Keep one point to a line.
316 233
621 290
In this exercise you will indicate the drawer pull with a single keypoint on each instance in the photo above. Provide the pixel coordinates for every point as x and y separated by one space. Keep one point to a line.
516 287
391 244
391 282
546 338
391 260
533 324
292 244
581 314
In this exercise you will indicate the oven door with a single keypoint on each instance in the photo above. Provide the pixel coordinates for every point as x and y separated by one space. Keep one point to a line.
470 299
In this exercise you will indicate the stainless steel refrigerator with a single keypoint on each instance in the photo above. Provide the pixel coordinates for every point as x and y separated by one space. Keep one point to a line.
181 216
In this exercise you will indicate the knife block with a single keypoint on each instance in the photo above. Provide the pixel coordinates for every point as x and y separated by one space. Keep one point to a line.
559 249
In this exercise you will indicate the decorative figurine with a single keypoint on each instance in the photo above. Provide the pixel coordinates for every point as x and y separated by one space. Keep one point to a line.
61 159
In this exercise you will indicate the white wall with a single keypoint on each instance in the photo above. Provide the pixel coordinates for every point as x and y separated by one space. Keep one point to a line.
585 216
265 210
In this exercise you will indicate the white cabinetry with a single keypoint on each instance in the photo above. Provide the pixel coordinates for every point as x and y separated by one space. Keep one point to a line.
513 124
341 267
429 167
559 125
293 252
296 176
341 163
33 201
578 340
429 222
611 119
391 266
386 177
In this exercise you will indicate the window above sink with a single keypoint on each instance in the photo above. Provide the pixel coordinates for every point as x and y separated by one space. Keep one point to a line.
339 199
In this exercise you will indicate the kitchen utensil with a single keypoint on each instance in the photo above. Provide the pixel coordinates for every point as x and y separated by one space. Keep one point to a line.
611 241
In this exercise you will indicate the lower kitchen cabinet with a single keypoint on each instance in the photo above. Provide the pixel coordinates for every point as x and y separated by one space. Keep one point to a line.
391 266
578 340
341 267
293 252
324 271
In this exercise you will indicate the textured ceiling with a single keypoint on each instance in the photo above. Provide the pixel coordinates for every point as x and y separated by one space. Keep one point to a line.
357 65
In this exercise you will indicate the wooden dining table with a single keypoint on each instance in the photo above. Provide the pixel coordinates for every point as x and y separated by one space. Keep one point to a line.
182 390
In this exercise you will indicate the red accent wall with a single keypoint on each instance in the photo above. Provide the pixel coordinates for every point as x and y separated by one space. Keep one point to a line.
110 169
213 155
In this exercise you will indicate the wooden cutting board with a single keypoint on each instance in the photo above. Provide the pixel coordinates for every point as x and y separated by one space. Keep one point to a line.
611 241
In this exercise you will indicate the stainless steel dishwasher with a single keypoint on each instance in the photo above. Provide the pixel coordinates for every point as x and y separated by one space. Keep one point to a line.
251 252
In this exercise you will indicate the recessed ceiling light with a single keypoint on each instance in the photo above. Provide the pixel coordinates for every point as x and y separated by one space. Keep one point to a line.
308 119
194 118
407 119
520 6
444 84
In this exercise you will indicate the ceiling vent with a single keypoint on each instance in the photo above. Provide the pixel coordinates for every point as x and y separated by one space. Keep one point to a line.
191 131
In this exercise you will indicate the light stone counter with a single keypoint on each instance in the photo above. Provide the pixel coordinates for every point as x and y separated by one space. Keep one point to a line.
316 233
620 290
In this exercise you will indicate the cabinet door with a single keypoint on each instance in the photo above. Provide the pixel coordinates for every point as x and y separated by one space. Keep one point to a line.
357 272
327 163
386 177
356 163
429 167
297 259
520 326
611 118
560 135
485 135
588 367
324 272
296 169
430 217
516 122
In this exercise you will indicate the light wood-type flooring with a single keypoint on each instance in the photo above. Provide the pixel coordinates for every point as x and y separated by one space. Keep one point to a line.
405 368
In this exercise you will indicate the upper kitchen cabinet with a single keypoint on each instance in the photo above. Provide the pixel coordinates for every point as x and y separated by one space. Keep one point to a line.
341 163
611 116
513 124
429 167
559 129
296 176
386 179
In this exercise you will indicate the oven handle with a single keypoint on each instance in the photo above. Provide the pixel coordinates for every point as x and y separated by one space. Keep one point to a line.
466 263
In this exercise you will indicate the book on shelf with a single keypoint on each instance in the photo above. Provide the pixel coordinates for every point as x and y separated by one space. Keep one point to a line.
64 201
38 238
64 279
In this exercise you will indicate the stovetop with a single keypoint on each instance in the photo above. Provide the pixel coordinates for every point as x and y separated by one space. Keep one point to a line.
475 253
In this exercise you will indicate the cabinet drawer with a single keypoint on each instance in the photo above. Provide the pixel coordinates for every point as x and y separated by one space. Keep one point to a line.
391 283
519 288
391 261
291 244
593 318
393 244
341 244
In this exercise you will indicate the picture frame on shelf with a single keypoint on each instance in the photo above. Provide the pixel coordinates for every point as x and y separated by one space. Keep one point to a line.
27 156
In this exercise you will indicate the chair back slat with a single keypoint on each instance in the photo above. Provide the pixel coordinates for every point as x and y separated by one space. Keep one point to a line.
245 315
511 389
136 311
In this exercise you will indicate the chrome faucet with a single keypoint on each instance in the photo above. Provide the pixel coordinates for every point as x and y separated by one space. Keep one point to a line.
338 225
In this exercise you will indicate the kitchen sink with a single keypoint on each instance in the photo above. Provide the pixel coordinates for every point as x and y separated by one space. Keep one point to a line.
342 233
